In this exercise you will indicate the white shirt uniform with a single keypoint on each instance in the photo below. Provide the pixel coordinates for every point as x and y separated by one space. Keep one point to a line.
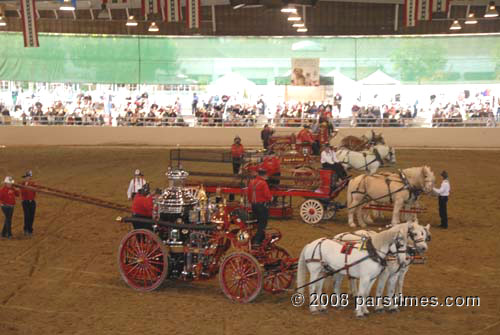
135 185
444 190
329 157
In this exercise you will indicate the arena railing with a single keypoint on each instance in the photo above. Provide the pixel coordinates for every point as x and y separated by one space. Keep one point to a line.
189 121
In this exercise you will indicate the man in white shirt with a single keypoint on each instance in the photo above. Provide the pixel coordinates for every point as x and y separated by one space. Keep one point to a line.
443 193
329 161
135 184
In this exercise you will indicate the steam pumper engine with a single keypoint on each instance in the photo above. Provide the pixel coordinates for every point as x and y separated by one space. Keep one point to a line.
191 228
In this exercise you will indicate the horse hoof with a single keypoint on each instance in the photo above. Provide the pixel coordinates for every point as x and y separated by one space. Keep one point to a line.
360 317
362 225
380 311
352 225
316 312
394 310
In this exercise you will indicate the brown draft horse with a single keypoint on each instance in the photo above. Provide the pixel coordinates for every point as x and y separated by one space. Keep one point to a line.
361 143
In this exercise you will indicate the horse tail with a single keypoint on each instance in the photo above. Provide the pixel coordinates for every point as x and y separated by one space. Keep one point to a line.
301 271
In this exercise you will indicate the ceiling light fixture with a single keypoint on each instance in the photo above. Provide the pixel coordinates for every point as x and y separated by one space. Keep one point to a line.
294 17
239 6
3 23
471 19
298 25
131 22
302 30
491 11
455 25
289 10
153 27
67 5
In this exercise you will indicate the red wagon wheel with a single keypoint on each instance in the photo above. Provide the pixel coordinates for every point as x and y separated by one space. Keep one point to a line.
279 277
142 260
240 277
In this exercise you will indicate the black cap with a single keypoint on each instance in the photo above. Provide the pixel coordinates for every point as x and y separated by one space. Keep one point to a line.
444 174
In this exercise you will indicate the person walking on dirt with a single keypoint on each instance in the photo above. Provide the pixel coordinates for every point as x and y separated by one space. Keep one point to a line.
8 196
135 184
443 193
29 203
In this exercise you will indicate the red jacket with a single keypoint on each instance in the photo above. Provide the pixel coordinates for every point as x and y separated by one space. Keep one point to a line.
237 150
305 136
28 194
258 191
143 205
272 165
8 195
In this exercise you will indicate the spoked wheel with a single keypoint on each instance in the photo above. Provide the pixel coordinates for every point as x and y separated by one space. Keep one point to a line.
142 260
330 213
311 211
304 171
240 277
279 276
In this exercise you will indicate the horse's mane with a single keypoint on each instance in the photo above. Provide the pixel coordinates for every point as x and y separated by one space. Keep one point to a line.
385 237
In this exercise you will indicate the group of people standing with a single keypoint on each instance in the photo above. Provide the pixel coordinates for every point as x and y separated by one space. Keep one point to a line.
8 195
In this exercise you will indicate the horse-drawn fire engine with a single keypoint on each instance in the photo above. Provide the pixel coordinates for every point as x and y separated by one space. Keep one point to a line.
189 238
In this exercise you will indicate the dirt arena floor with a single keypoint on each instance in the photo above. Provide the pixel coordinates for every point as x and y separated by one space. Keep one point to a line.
65 279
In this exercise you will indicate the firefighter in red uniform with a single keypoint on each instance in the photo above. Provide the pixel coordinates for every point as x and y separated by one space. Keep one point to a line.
272 165
29 203
8 196
142 207
259 195
306 139
237 152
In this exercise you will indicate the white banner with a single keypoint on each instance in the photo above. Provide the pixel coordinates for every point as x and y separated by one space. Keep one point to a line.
305 71
30 32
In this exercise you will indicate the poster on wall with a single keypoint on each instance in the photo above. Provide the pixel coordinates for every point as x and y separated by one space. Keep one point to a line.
305 72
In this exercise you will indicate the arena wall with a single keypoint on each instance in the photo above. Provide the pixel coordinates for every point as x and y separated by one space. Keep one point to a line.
205 137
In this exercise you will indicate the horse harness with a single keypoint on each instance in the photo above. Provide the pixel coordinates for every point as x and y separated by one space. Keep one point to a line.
346 250
377 158
414 192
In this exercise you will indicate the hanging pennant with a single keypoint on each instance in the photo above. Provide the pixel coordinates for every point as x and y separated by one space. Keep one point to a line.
150 7
30 32
424 10
172 10
440 6
410 14
193 13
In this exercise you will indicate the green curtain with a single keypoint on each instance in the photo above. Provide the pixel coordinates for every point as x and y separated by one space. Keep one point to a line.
187 60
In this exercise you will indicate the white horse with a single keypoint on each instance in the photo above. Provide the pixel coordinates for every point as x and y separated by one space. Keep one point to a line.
321 255
395 270
399 189
365 161
387 153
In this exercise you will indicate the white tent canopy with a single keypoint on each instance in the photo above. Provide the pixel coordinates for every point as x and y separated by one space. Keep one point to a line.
232 84
340 79
379 78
